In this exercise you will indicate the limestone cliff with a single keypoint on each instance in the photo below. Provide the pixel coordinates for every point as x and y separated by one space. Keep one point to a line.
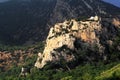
65 38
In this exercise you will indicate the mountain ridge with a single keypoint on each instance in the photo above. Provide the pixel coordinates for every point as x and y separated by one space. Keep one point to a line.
29 22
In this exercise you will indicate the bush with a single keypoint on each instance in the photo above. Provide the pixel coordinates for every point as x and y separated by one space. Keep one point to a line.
67 78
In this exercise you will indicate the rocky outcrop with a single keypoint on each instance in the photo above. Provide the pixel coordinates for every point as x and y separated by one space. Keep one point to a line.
65 38
116 22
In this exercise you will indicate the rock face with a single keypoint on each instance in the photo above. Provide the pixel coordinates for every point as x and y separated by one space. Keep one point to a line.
65 38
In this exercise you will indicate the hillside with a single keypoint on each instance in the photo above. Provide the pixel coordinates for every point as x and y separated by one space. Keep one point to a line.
28 21
68 55
111 74
59 40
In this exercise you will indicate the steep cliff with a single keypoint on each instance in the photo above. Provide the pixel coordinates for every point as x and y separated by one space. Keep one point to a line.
66 39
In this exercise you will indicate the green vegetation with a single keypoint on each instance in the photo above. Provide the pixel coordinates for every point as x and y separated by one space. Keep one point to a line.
111 74
38 47
84 70
81 72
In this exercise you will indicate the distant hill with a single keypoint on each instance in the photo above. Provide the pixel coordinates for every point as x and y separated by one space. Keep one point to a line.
28 21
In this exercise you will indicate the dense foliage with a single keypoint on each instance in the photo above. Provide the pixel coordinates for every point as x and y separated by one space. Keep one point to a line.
81 72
